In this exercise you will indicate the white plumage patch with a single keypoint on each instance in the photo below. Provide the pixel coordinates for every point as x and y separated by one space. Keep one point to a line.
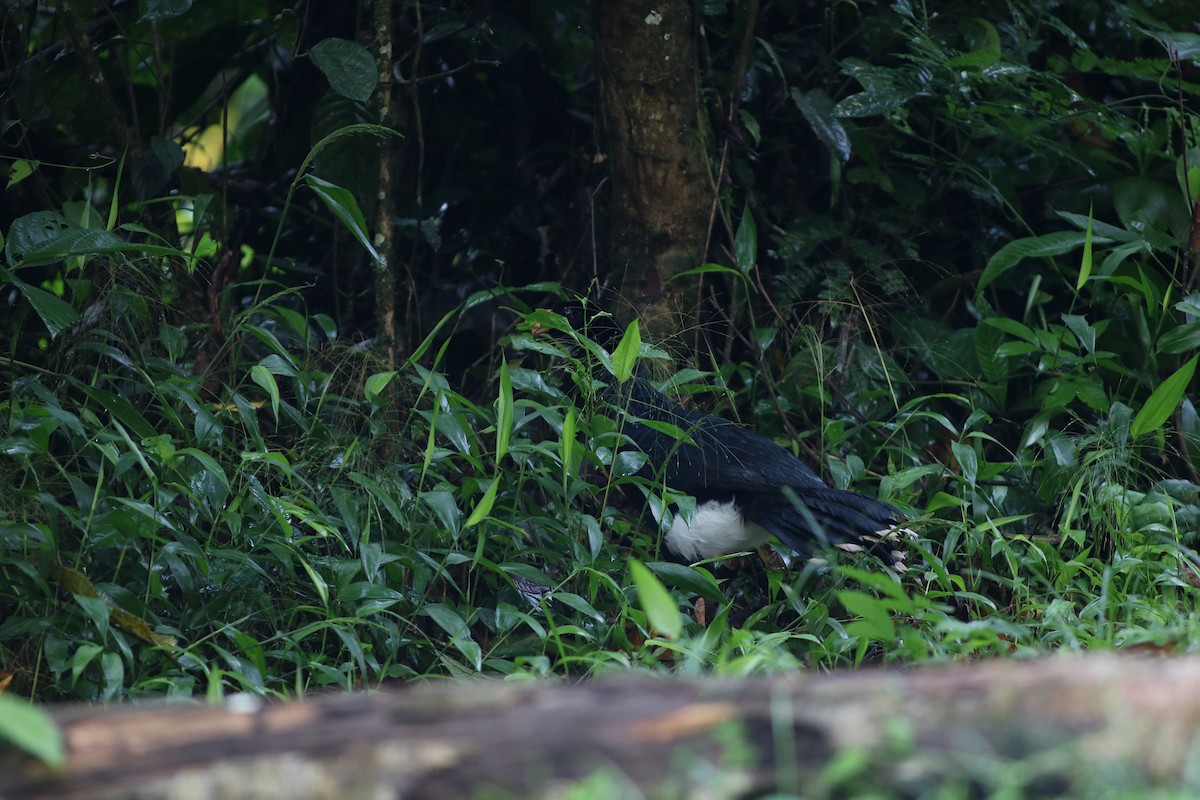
715 530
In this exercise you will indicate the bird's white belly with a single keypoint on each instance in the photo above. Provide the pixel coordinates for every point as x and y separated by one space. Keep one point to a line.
715 530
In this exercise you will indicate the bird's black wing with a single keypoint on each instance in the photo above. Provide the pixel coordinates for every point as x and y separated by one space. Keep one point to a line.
825 516
712 455
712 458
773 489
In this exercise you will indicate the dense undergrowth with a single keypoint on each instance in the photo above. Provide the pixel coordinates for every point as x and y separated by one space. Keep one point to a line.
253 502
321 523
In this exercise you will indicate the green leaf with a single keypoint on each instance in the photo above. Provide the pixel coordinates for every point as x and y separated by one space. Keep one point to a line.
690 579
90 242
120 409
347 65
967 460
1192 184
345 208
745 241
376 383
57 315
1085 333
504 413
628 462
485 504
1013 327
1085 263
818 111
705 269
1163 400
1183 339
32 730
881 100
1141 202
444 506
987 340
318 582
875 623
263 377
579 604
567 446
661 611
21 169
1052 244
154 10
751 126
624 358
32 232
447 619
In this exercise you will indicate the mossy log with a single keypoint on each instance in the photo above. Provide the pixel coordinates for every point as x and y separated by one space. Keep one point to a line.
639 735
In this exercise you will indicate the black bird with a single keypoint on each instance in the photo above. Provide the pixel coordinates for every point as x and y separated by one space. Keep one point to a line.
746 486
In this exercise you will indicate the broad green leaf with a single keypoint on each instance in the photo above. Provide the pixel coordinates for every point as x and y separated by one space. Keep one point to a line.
881 100
1140 202
1085 333
348 66
1192 184
447 619
285 27
751 126
263 377
1163 400
773 55
504 413
567 446
277 365
690 579
318 582
661 611
579 604
32 232
705 269
56 314
91 242
942 500
20 170
1101 231
624 358
376 383
1052 244
967 460
818 111
345 208
875 623
1085 263
154 10
987 340
120 409
1013 327
1183 339
443 504
627 463
485 504
31 729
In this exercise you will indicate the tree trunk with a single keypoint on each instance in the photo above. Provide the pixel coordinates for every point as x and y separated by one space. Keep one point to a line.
660 194
387 330
1071 719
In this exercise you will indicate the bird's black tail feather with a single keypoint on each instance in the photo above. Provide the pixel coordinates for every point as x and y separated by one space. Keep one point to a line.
809 517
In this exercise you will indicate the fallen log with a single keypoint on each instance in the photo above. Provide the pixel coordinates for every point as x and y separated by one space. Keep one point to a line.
1077 717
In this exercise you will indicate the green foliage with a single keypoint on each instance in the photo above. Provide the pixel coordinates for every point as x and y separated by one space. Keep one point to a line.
945 257
32 730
